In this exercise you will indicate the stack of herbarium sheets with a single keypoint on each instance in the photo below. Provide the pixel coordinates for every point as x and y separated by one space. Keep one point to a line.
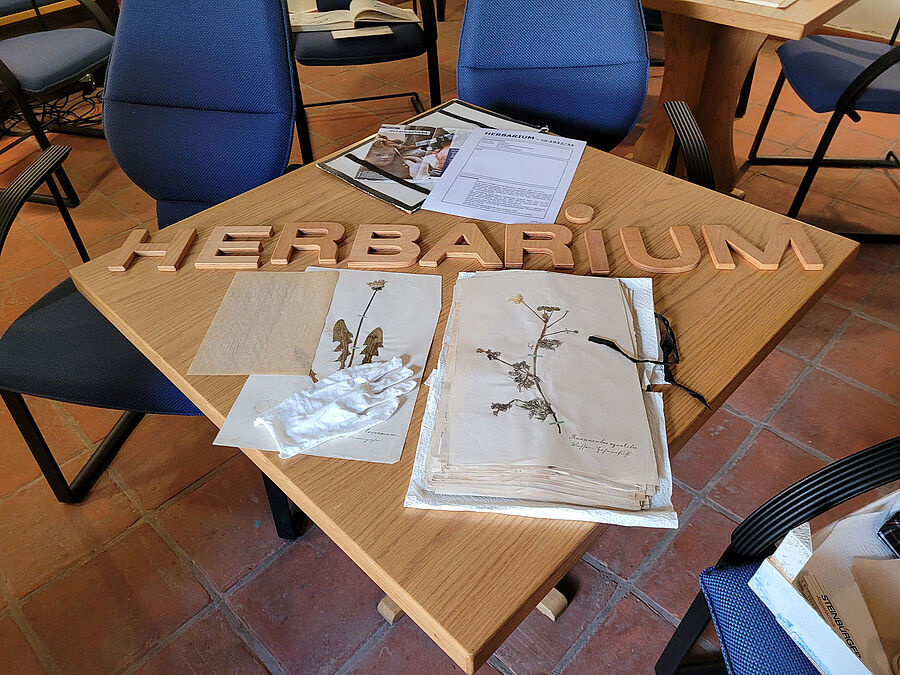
530 409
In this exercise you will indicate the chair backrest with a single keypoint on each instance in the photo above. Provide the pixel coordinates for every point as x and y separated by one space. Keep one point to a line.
581 67
689 141
199 99
811 497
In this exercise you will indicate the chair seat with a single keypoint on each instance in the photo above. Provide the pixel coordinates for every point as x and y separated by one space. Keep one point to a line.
820 68
753 643
47 59
318 48
63 349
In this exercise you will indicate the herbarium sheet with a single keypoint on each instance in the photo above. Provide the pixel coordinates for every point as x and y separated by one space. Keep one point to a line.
373 316
532 403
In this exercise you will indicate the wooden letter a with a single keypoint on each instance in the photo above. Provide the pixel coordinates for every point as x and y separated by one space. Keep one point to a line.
721 238
473 245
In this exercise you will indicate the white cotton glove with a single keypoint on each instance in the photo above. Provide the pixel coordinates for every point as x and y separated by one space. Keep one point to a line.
344 403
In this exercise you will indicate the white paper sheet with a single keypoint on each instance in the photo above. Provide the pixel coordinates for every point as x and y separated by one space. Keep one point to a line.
406 310
508 177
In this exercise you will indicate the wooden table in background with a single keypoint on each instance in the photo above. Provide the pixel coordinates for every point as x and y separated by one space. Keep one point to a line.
710 45
469 579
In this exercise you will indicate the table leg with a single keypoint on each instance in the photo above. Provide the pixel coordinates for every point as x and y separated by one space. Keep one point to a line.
706 65
551 606
290 522
390 610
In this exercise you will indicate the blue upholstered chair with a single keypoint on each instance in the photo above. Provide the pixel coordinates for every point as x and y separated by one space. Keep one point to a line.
199 107
39 66
843 76
406 41
753 643
580 67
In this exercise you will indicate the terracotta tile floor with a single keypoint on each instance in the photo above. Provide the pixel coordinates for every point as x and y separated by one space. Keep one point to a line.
172 564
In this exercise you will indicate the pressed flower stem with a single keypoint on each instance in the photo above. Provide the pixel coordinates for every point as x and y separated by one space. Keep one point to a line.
534 358
359 327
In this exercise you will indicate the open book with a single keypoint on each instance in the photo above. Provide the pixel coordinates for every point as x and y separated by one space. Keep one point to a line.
360 12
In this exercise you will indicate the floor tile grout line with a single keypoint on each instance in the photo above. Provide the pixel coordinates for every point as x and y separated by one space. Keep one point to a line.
363 650
593 626
800 445
255 645
144 518
215 596
189 623
16 613
624 586
497 664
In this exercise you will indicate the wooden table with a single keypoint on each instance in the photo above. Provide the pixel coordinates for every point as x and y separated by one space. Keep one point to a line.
469 579
710 45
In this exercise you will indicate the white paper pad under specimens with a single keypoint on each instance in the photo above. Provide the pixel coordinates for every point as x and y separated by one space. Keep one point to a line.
508 177
406 309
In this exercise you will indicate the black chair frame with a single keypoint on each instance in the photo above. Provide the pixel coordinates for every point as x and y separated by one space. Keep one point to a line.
845 106
21 98
429 26
11 200
758 535
689 141
290 522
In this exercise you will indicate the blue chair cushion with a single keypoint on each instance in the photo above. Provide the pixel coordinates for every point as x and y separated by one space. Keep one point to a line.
753 643
582 71
198 104
820 68
63 349
556 97
318 48
45 60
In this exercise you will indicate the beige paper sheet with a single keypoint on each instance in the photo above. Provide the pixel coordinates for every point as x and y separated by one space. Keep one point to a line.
879 581
269 323
594 391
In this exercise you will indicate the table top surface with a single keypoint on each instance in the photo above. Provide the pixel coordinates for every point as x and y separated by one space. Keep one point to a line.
798 20
469 579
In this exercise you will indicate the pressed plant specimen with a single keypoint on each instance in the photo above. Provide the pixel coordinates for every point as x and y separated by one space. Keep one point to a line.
525 375
342 336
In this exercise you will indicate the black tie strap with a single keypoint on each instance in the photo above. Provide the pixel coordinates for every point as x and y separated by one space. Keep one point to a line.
670 357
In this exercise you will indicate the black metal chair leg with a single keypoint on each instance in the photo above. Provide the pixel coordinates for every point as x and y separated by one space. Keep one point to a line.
290 521
434 71
815 163
441 9
82 483
767 115
300 121
744 96
434 77
21 100
67 219
687 633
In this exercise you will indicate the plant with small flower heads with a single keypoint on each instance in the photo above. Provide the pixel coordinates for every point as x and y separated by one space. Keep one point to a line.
524 374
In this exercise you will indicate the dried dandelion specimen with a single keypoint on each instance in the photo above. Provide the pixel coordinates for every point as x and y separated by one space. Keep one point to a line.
342 335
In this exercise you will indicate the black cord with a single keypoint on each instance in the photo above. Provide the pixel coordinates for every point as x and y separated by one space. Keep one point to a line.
82 111
670 357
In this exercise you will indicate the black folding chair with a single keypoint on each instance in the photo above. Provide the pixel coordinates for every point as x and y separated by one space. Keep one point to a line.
758 535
